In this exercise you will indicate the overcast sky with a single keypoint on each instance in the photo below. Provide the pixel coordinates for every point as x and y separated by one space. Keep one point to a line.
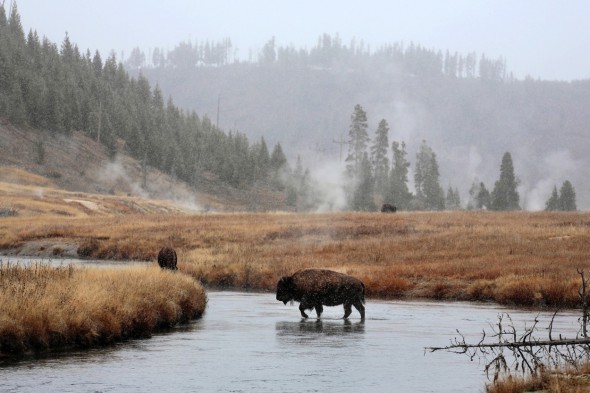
540 38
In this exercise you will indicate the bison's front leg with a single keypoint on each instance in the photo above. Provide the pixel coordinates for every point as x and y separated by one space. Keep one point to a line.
307 303
319 309
302 308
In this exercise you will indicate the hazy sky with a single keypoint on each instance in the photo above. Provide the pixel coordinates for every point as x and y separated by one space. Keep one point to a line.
541 38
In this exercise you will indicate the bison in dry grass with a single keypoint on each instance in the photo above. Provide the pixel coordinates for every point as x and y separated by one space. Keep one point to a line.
315 288
388 208
167 258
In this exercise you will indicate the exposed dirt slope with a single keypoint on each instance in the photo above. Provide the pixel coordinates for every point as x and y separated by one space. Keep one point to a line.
78 164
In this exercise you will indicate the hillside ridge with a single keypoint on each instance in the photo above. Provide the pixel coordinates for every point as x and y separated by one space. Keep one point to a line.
76 163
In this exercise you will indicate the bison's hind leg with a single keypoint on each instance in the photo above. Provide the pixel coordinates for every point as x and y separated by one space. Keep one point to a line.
319 309
359 306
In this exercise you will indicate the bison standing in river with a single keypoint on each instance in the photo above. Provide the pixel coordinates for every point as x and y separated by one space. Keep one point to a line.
315 288
167 258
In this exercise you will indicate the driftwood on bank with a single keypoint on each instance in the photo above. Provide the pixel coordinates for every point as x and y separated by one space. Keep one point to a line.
524 349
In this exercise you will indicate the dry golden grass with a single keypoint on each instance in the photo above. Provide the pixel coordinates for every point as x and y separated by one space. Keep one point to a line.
44 308
511 258
562 381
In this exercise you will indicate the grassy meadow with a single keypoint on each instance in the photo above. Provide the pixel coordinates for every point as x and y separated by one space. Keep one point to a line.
515 258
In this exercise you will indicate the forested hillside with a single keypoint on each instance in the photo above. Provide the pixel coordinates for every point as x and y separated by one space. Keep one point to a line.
60 90
467 107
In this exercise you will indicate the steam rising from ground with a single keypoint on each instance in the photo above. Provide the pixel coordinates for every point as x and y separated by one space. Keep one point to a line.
121 176
559 166
114 174
328 177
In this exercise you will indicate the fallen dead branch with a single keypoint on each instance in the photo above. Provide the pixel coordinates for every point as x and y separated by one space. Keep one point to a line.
504 348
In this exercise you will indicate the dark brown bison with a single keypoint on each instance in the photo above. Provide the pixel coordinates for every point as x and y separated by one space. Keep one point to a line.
388 208
315 288
167 258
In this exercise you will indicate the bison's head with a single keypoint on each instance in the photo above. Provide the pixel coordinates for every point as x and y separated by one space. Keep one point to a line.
285 289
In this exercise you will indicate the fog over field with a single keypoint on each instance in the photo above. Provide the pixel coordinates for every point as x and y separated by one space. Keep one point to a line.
537 109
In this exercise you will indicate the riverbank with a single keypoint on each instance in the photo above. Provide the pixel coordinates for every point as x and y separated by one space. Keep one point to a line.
45 308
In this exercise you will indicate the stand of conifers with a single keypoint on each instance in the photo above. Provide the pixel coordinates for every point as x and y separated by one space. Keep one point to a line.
505 348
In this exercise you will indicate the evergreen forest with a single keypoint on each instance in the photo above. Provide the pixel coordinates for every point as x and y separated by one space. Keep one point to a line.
59 89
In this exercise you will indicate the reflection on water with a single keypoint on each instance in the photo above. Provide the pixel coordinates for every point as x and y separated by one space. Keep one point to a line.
333 334
249 342
304 327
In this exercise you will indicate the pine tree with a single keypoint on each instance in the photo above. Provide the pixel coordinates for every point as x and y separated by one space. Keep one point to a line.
3 19
262 159
306 199
358 139
5 69
97 64
363 194
479 196
398 193
457 199
567 197
426 179
484 198
379 158
294 184
279 167
553 201
15 26
278 160
17 111
453 199
268 54
505 196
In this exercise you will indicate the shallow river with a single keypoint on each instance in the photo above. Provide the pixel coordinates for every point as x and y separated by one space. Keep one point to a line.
249 342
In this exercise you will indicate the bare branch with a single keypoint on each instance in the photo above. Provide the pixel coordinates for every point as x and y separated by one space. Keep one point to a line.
528 352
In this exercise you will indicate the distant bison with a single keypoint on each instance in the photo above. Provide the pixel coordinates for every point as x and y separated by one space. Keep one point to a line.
167 258
315 288
388 208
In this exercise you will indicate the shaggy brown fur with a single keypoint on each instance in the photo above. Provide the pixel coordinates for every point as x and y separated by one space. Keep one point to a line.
315 288
167 258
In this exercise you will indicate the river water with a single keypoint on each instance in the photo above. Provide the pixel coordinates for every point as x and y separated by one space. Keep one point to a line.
249 342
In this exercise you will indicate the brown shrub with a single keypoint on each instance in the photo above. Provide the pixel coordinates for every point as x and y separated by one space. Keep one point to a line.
481 290
519 290
386 286
88 247
516 385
